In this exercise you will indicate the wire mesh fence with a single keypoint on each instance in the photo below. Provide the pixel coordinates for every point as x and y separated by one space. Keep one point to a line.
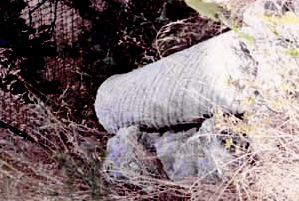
54 54
45 47
61 50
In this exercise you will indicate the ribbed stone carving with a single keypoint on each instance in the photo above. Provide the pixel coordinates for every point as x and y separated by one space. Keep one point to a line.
187 85
177 89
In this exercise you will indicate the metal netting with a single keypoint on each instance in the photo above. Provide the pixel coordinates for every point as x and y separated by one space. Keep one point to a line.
54 54
58 52
45 46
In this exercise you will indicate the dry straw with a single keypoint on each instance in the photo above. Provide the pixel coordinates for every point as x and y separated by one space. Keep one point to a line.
58 164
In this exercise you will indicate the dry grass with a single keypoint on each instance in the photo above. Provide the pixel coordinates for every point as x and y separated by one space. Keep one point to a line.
54 161
271 167
179 35
51 159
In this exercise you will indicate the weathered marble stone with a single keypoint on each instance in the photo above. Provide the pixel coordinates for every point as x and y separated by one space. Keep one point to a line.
185 87
177 89
180 156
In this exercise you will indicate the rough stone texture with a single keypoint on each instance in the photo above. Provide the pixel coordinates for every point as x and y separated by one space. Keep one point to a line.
182 156
182 88
271 39
128 157
198 157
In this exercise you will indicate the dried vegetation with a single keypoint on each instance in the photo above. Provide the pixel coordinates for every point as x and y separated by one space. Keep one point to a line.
48 156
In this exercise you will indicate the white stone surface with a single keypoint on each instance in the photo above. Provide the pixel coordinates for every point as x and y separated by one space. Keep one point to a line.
177 89
182 88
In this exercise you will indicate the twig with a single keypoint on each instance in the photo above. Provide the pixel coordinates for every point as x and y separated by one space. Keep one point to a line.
55 17
17 131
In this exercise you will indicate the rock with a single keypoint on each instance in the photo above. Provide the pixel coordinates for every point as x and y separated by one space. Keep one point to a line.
127 157
183 156
184 88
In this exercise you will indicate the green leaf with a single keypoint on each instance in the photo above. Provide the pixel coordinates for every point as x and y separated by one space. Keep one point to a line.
237 31
207 9
249 38
293 52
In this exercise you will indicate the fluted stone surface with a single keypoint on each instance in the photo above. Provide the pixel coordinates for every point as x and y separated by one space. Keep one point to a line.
188 84
177 89
181 89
